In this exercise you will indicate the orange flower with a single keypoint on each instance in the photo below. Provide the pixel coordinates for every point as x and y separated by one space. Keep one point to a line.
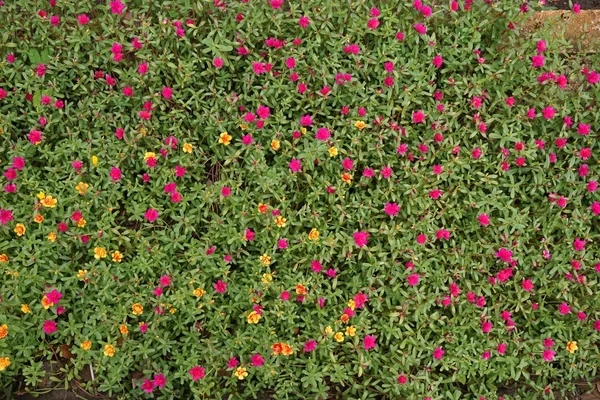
52 236
346 177
39 218
301 289
313 234
3 331
117 256
137 309
20 229
123 329
109 350
99 252
253 317
4 363
82 188
262 208
3 258
277 348
345 318
46 303
86 345
286 350
81 223
49 202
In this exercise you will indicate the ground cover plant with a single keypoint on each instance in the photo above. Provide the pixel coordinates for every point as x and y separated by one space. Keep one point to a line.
296 199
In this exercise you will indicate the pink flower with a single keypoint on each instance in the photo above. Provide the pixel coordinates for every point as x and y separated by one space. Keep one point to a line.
369 342
167 92
197 372
373 23
306 120
151 215
143 68
49 327
484 219
504 254
576 8
578 244
83 19
225 191
282 243
275 4
418 117
144 327
309 346
438 353
295 165
218 63
147 386
257 360
502 348
402 379
54 296
527 285
360 299
116 7
413 279
420 28
548 112
548 355
595 207
304 22
438 61
386 172
442 234
360 238
115 174
232 363
220 286
391 209
486 326
322 134
35 137
160 381
538 61
164 280
564 309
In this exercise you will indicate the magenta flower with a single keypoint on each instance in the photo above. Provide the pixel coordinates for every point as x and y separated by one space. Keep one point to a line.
322 134
413 279
548 355
197 372
147 386
257 360
5 216
484 219
391 209
160 381
115 174
304 22
309 346
220 286
369 342
151 215
49 327
438 353
295 165
360 238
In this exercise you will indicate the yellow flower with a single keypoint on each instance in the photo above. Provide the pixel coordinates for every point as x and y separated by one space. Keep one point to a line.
117 256
301 289
572 346
303 130
267 279
241 373
137 309
109 350
339 337
123 329
346 177
99 252
4 363
199 292
328 330
188 148
3 331
52 236
313 234
352 304
86 345
143 131
172 310
243 126
46 303
350 331
81 223
148 155
280 221
25 309
3 258
41 195
94 161
265 259
82 187
286 349
225 138
275 144
333 151
20 229
253 317
360 125
39 218
49 202
81 274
